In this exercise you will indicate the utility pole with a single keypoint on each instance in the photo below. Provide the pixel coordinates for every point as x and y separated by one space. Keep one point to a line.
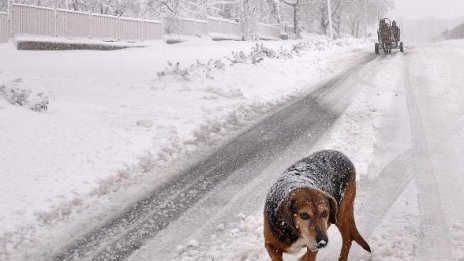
329 13
295 16
365 18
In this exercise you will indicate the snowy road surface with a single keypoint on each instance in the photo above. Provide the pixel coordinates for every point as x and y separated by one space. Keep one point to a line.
411 199
241 160
115 130
408 108
400 118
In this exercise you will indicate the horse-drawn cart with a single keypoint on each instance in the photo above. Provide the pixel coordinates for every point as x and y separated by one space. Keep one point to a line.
388 37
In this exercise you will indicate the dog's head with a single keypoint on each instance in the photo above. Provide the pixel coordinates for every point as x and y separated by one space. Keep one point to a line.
309 212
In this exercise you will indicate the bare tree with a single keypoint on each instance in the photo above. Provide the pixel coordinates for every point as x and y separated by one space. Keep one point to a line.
296 6
349 13
3 5
354 17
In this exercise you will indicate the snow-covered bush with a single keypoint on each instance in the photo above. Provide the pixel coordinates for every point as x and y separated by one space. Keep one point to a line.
268 52
175 69
199 69
259 52
256 57
238 57
284 54
218 64
206 68
15 95
21 96
299 47
39 103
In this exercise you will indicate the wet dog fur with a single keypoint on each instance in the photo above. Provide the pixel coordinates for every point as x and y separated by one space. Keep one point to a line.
304 214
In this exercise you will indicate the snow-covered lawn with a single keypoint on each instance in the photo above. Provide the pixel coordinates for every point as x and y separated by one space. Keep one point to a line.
115 128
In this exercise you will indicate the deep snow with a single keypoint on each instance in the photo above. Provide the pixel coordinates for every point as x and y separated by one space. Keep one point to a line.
114 128
114 131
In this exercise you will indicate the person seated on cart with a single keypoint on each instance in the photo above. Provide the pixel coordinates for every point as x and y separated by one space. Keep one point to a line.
396 32
384 32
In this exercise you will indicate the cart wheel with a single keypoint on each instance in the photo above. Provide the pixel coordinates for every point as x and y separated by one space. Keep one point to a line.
401 47
377 48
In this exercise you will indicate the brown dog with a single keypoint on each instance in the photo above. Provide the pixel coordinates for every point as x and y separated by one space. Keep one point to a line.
315 192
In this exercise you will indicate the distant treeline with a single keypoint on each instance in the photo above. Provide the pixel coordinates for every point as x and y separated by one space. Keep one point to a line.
456 33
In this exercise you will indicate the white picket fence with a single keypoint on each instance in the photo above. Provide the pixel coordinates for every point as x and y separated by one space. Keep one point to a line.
3 27
43 21
223 29
31 20
268 31
191 27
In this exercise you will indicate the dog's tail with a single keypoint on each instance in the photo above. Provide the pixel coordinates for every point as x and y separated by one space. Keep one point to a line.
356 236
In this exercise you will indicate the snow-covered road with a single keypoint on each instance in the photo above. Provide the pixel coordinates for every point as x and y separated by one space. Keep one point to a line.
404 130
119 124
217 179
400 118
435 96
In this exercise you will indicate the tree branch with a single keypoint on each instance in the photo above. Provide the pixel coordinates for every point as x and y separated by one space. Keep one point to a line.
290 4
167 6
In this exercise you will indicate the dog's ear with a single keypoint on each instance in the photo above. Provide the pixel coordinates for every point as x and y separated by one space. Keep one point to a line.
333 209
284 211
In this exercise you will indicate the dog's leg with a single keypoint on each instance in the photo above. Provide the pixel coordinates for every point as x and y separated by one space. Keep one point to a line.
346 223
309 256
345 247
345 218
356 236
274 253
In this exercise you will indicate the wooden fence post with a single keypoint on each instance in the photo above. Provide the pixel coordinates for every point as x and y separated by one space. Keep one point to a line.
10 19
144 31
119 29
90 25
55 18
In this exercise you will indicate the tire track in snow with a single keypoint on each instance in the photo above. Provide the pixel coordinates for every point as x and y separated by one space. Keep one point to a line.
383 191
127 233
378 194
393 160
443 108
434 239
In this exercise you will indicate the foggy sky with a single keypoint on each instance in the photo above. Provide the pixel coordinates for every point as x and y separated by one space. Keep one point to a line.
440 9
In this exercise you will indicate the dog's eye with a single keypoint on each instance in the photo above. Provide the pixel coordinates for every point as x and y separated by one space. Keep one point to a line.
325 214
304 216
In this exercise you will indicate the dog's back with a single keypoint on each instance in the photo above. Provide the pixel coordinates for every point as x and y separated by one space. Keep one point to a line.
327 170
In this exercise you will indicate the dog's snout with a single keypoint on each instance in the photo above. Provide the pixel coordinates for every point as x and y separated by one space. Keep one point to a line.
321 240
